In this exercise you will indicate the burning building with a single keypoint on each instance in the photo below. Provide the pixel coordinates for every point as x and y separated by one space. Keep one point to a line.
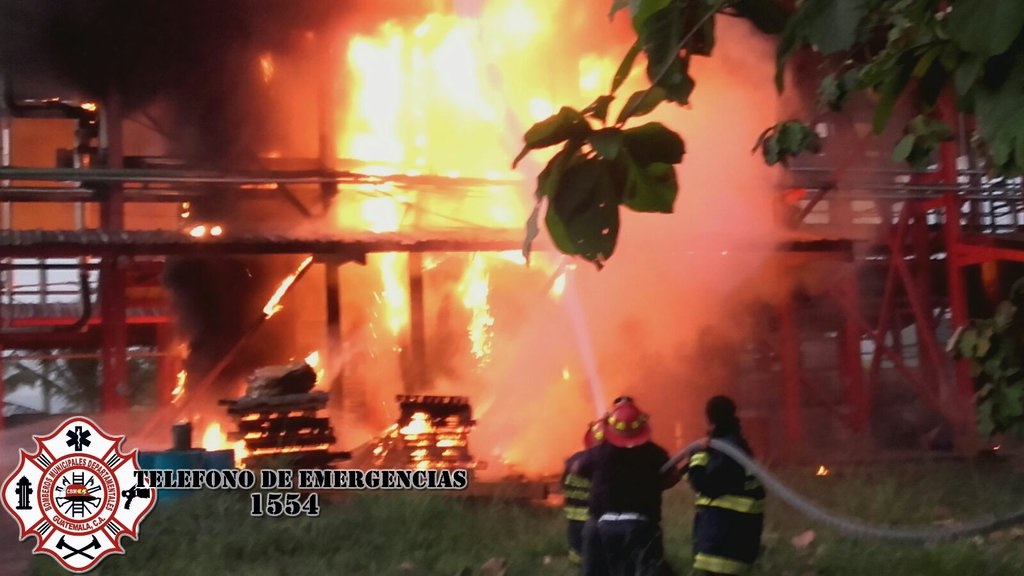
334 176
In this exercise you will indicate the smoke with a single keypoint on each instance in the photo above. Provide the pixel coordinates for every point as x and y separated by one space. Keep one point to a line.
670 304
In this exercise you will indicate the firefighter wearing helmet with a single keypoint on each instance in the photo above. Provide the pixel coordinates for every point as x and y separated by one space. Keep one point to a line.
623 534
576 490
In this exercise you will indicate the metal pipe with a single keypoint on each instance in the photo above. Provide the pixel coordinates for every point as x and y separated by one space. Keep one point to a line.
206 177
48 266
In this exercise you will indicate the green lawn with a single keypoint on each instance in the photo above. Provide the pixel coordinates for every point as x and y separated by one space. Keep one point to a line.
421 534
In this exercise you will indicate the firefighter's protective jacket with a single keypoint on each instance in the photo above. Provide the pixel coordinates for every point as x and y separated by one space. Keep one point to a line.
730 512
576 490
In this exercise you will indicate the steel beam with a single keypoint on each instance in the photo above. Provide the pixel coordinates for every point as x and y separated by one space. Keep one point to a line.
113 277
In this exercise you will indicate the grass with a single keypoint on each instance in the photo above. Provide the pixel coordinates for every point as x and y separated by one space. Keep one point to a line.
414 534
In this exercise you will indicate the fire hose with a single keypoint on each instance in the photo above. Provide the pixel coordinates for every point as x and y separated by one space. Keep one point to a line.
851 527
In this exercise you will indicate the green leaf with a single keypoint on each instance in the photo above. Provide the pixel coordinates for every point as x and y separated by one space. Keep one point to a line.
791 136
967 73
767 15
676 82
599 107
626 66
532 231
986 27
902 150
831 93
644 9
771 150
926 61
641 102
890 93
653 142
550 177
651 188
984 344
1000 117
1014 397
968 342
565 125
558 231
606 142
832 24
584 211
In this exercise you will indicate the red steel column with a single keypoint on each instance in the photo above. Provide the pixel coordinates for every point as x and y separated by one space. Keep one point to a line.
790 353
113 302
964 385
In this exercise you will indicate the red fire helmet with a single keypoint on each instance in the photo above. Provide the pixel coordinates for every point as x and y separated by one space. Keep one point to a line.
627 426
594 434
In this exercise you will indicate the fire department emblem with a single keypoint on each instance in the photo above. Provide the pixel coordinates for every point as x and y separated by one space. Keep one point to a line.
77 494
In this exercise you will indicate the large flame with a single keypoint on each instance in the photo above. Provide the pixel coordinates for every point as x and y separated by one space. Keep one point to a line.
449 96
474 290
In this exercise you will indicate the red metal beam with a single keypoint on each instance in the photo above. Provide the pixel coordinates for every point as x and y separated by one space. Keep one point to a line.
850 364
113 277
977 249
93 321
885 314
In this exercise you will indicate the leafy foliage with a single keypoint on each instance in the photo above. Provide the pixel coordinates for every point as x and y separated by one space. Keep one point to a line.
602 168
971 51
995 349
785 140
967 52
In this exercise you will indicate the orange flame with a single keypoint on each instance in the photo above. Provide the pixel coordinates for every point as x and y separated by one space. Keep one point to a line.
419 423
475 289
822 471
313 360
179 387
214 438
273 306
197 231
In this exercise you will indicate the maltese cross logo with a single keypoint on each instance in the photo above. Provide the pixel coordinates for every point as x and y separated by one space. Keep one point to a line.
77 494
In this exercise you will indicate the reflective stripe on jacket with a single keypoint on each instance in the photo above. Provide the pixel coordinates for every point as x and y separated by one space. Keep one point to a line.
730 513
576 490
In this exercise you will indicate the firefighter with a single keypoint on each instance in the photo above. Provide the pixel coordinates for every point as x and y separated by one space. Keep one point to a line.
730 503
576 490
623 535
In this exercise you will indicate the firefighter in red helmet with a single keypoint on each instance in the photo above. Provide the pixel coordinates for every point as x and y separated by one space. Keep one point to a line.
623 535
576 491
